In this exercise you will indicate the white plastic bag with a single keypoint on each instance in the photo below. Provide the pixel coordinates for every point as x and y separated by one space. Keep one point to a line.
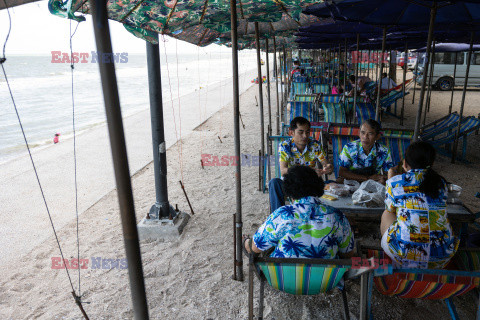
370 194
338 190
351 185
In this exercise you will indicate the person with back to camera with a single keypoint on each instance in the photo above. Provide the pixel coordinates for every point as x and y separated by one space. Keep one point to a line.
298 150
365 159
415 229
307 228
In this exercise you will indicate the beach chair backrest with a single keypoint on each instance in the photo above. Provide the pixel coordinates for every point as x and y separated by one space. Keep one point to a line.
302 279
321 88
330 98
390 98
299 87
338 142
432 284
364 111
317 129
302 109
439 126
397 145
318 80
305 97
334 112
276 141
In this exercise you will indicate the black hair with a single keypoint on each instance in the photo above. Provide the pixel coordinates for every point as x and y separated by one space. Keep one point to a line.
351 78
384 75
302 181
373 124
298 121
421 155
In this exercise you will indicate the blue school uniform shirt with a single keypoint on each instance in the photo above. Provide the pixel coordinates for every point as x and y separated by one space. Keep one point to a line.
305 229
353 157
422 236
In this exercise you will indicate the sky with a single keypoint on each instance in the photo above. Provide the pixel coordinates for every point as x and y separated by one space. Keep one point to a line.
35 31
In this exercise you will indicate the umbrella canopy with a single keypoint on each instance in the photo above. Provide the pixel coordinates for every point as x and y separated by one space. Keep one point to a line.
399 12
451 47
200 22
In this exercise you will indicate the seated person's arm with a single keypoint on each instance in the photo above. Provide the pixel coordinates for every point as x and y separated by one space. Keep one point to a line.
347 242
254 247
349 175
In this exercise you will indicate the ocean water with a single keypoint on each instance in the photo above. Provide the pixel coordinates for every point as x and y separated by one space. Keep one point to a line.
43 92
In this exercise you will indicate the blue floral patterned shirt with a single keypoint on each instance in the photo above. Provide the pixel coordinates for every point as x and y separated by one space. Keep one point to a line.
421 237
353 157
305 229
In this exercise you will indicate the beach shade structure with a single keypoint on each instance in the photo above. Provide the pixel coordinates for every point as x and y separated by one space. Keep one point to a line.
404 13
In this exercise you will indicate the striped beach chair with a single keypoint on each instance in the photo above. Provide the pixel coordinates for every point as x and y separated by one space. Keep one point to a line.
459 277
306 97
439 126
300 85
304 109
321 88
299 277
318 80
333 107
364 111
468 126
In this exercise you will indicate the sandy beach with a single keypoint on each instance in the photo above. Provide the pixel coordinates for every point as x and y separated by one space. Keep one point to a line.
189 278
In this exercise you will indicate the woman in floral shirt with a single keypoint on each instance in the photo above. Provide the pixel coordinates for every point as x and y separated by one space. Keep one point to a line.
307 228
415 228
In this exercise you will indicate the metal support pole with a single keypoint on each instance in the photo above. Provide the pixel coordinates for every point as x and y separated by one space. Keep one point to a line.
465 84
260 102
275 66
356 76
430 85
433 13
402 112
379 79
119 155
415 79
268 92
161 209
453 85
236 128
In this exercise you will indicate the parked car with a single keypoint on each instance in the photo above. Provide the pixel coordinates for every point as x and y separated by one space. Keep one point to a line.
412 62
443 71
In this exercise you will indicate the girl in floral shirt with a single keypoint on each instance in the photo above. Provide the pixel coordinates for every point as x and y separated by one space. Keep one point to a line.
415 228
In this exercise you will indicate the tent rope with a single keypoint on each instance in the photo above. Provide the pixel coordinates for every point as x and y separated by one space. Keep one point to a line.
72 67
179 113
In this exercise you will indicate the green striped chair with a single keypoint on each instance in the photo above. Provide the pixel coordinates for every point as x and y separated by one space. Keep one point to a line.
305 97
299 276
460 276
321 88
300 87
333 108
364 111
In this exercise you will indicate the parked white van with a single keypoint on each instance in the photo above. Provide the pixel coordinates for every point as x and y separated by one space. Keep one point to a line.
444 69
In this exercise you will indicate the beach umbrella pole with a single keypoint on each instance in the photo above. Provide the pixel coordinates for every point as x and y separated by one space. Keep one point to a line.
260 102
433 13
402 112
120 160
415 78
275 66
457 134
238 274
269 131
356 77
430 86
453 86
379 75
161 209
